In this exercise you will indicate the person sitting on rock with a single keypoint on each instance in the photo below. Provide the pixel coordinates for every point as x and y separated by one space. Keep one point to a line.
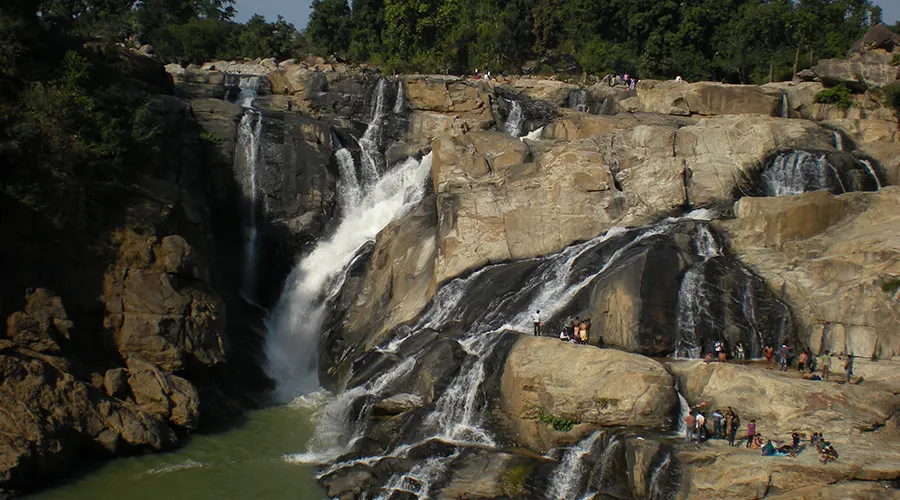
814 440
828 453
709 357
563 335
820 443
768 450
757 441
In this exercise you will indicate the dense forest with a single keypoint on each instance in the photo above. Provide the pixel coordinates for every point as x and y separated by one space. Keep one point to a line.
735 40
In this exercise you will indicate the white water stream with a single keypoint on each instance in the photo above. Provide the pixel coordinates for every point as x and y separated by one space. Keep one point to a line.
513 125
568 475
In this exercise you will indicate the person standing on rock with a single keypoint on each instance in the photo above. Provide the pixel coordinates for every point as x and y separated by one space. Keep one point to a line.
783 354
734 423
801 364
717 424
701 427
740 351
848 367
536 317
825 365
751 432
583 334
768 352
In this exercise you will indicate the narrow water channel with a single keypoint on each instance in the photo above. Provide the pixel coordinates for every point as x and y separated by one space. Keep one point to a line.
244 462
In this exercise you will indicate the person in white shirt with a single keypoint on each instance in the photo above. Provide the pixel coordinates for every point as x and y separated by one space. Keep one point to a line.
536 318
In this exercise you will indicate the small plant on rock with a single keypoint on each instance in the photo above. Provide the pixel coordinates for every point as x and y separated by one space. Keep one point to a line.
604 403
838 95
890 285
558 423
892 98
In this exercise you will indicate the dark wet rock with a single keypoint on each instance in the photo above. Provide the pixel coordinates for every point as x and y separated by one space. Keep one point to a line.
115 381
397 404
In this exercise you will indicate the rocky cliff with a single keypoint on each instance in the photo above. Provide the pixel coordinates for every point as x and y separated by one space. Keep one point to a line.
675 216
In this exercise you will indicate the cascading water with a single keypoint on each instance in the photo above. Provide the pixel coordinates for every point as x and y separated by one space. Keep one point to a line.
248 157
658 482
785 107
568 478
294 327
838 140
400 103
872 173
513 125
370 144
797 172
578 100
693 301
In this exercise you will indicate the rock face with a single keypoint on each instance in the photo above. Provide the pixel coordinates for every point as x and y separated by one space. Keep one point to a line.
703 98
52 419
857 74
829 255
159 308
782 404
553 378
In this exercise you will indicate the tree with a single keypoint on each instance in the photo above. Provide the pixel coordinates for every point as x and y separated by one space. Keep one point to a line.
328 27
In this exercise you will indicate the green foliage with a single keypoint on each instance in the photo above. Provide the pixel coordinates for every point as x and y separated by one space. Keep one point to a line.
838 95
604 403
737 40
558 423
211 138
890 285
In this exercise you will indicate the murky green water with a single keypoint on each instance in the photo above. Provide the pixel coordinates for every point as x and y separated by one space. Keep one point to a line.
242 463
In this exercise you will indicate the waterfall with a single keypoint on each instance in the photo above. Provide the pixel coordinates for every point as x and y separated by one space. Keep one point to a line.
872 173
248 87
655 491
693 305
534 135
785 107
796 172
748 308
336 428
513 125
838 140
419 480
683 409
400 103
349 189
578 100
370 144
294 326
249 139
569 474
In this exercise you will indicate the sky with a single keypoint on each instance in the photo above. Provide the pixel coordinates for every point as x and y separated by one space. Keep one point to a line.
297 11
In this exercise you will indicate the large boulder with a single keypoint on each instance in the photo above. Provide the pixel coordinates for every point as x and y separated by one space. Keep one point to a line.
702 98
163 395
586 385
782 403
834 260
158 306
855 74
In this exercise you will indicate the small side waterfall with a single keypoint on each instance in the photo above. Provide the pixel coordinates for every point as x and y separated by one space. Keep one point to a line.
248 87
578 100
797 172
838 140
249 138
570 475
872 173
400 102
785 108
683 409
370 144
659 482
693 300
513 125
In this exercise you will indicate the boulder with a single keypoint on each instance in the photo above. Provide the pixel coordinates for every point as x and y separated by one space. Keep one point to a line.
543 376
782 403
702 98
42 326
397 404
115 381
829 256
161 316
878 37
855 75
553 91
163 395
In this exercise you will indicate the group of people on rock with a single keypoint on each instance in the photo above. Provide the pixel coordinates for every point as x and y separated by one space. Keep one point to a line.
727 423
615 80
725 426
817 367
576 331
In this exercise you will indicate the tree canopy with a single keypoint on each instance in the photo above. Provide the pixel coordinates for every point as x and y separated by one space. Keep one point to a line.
735 40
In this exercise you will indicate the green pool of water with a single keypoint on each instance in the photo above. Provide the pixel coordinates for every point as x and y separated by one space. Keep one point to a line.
242 463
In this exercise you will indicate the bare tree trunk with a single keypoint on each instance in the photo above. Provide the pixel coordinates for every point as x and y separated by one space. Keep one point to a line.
796 60
771 71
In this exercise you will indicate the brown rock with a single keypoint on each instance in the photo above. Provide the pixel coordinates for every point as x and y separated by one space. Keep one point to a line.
165 396
42 325
576 383
115 381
